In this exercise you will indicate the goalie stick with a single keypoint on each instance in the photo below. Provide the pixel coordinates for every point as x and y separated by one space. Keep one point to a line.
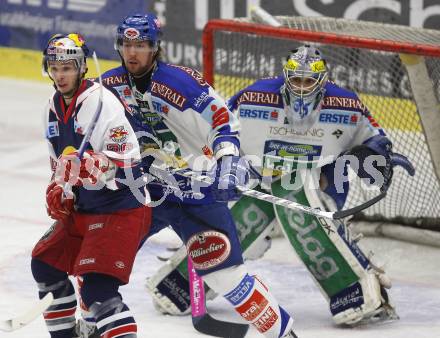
281 201
82 148
201 320
31 314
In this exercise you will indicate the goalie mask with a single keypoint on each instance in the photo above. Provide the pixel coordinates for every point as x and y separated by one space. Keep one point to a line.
65 48
305 75
139 28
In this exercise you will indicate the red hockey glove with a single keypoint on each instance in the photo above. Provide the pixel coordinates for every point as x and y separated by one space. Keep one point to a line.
87 171
58 207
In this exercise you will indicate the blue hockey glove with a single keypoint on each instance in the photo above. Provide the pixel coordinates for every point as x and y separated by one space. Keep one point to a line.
380 145
231 171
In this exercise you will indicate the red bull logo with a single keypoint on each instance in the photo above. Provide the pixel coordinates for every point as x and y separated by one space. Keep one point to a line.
119 134
58 43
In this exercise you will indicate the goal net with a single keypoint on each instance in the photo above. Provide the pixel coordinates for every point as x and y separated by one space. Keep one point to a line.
395 70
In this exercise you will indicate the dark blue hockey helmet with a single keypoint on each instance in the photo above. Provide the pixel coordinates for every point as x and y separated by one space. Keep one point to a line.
139 27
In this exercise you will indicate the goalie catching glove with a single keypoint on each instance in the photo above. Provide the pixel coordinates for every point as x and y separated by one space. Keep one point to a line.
380 145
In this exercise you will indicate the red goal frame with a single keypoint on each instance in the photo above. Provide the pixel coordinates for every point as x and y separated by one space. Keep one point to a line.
302 35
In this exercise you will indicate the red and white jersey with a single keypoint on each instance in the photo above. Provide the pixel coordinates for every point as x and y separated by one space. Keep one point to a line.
113 135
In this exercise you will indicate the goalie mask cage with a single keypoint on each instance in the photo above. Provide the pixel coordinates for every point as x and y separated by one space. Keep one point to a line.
395 70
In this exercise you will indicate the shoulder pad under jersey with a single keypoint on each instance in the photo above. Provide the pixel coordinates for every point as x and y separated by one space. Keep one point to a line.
115 77
265 91
343 99
180 86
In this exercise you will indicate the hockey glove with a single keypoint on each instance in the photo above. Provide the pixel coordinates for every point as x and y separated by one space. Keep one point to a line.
59 206
380 145
90 170
231 171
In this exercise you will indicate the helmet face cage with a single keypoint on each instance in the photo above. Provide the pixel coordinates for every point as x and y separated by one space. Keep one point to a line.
139 28
64 48
305 72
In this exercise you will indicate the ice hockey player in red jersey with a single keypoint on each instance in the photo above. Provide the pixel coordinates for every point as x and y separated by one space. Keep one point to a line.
99 222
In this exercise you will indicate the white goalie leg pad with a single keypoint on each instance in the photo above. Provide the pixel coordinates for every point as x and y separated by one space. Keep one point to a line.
365 298
165 303
261 244
372 301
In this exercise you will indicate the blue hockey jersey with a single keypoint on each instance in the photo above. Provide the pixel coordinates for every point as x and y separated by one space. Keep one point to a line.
342 121
275 146
181 122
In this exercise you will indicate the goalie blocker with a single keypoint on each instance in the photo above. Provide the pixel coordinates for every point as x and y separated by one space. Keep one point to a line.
352 285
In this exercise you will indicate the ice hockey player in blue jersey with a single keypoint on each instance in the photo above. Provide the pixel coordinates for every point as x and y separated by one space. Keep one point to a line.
183 123
301 121
99 223
300 125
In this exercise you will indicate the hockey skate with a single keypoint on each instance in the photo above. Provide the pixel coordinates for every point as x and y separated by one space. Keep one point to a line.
83 329
385 313
290 334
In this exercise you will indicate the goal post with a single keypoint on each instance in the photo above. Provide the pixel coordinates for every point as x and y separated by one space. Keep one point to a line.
394 69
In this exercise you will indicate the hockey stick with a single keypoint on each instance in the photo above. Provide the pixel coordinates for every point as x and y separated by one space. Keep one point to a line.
87 136
32 313
201 320
281 201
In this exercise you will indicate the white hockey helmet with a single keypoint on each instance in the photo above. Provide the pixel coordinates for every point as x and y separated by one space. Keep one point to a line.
64 48
305 75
